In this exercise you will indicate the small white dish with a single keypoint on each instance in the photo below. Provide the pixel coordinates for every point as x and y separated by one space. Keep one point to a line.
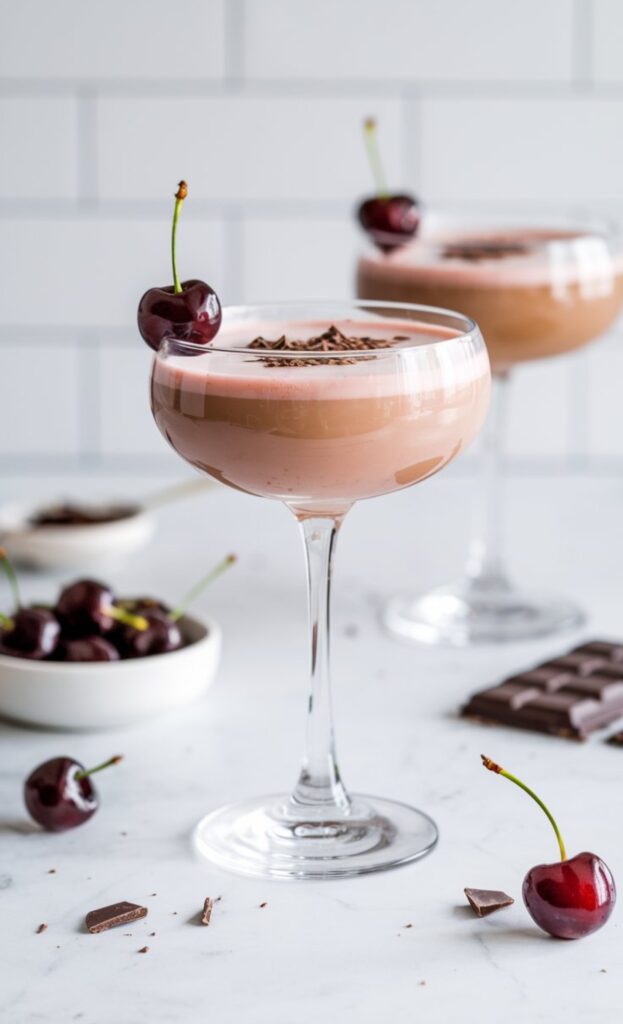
107 695
83 547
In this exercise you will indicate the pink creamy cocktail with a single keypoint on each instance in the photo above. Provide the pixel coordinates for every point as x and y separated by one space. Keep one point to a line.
537 289
535 292
318 405
326 433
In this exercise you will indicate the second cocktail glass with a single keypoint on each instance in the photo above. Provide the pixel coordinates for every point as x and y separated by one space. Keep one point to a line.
537 289
318 406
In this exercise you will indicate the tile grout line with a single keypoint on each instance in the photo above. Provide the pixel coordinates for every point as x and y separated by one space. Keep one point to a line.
234 61
89 402
582 43
86 101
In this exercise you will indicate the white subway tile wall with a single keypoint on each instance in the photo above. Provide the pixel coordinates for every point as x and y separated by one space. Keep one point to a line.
258 103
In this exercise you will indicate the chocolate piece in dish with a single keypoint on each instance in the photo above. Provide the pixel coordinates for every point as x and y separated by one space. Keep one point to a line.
571 696
486 901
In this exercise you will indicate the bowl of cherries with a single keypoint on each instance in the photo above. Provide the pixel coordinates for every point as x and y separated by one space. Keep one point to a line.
95 660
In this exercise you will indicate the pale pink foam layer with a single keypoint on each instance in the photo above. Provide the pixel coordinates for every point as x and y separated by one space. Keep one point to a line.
554 259
437 356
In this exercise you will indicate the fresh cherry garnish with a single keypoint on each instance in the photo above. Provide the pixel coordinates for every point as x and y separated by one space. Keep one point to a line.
390 220
163 633
189 311
90 648
87 606
572 897
29 632
59 793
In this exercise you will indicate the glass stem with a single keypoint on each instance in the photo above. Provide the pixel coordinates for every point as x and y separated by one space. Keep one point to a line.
485 566
319 784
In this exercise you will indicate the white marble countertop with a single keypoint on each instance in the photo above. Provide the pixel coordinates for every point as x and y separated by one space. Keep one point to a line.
330 951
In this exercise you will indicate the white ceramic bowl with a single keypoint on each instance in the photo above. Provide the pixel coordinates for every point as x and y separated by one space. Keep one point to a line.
72 547
105 695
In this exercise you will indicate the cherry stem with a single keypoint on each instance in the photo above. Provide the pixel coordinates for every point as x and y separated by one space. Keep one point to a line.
180 196
194 592
374 157
127 618
98 768
493 767
11 577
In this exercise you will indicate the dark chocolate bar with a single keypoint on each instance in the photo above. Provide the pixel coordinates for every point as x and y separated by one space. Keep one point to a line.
570 696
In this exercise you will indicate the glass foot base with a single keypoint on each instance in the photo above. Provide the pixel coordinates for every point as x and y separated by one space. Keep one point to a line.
466 613
276 838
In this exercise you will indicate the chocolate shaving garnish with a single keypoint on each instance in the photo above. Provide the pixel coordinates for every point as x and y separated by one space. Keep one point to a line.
486 901
331 340
114 915
207 910
476 250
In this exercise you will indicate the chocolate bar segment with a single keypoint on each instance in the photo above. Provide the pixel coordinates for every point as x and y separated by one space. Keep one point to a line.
570 696
486 901
111 917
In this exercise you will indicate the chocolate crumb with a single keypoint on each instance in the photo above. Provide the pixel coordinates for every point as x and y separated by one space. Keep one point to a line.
331 340
408 926
151 935
207 910
41 928
603 970
401 337
153 894
422 982
218 899
145 949
474 250
52 871
264 904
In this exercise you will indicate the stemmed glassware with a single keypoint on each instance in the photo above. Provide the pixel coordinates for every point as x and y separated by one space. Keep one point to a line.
537 289
318 405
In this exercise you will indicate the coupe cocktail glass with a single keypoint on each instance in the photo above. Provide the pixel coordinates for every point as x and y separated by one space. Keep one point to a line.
537 289
318 430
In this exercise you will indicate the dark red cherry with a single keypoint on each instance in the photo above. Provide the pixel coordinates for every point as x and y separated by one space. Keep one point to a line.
89 648
193 314
35 634
59 793
85 607
390 220
571 898
162 635
189 311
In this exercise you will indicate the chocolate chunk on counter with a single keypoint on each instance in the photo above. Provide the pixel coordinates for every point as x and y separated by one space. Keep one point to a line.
486 901
208 905
570 696
616 740
114 915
